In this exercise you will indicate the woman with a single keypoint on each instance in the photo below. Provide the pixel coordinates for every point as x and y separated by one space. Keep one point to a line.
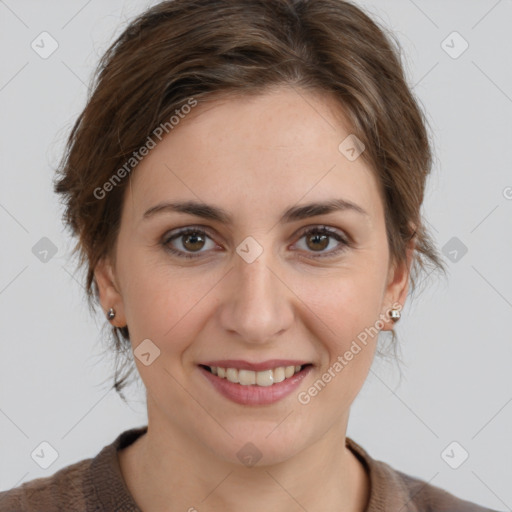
245 183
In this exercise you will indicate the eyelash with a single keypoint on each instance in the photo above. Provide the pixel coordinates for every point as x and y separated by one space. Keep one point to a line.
317 230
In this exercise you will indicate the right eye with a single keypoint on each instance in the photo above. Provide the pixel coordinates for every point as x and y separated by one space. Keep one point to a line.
191 239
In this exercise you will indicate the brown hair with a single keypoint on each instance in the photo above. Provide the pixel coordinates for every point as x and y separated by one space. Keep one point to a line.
182 49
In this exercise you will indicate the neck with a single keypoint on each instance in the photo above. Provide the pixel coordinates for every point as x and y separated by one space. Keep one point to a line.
325 476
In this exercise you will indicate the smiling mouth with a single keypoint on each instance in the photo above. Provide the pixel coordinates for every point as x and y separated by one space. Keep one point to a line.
252 378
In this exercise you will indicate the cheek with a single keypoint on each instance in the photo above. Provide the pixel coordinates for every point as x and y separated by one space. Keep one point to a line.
344 314
346 302
161 301
166 309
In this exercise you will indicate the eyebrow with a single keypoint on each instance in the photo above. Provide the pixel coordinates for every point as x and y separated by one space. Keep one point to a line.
294 213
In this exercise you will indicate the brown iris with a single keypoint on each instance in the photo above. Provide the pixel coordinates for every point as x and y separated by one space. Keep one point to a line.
315 237
196 241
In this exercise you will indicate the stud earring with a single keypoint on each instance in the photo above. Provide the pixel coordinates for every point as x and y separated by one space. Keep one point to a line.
111 313
394 314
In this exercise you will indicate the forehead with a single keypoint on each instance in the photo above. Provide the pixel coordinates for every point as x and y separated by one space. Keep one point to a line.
256 154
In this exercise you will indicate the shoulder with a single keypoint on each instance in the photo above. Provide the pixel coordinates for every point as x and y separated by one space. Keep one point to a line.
63 490
391 489
93 484
426 497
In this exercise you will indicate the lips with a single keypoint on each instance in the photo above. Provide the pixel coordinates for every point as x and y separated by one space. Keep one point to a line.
260 392
255 383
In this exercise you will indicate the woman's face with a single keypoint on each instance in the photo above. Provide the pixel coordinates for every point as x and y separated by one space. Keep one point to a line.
258 287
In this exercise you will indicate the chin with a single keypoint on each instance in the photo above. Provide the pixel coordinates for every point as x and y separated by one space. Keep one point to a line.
258 444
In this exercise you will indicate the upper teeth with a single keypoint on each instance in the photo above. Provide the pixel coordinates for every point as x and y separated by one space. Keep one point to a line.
248 377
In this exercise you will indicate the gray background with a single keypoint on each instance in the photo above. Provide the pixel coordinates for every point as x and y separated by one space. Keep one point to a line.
455 336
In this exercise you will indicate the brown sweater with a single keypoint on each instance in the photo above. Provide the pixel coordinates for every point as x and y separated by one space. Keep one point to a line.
96 484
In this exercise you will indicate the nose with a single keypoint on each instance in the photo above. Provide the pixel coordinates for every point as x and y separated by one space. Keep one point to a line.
257 303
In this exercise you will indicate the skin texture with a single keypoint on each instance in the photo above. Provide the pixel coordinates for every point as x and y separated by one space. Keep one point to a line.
254 157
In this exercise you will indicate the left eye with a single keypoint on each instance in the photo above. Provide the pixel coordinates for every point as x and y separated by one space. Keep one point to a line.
192 240
321 238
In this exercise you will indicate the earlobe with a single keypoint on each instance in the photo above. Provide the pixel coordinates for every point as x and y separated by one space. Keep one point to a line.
109 294
398 287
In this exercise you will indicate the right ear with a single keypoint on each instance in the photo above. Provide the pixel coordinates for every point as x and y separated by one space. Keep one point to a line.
109 294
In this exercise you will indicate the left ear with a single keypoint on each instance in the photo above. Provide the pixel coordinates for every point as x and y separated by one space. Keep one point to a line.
398 285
